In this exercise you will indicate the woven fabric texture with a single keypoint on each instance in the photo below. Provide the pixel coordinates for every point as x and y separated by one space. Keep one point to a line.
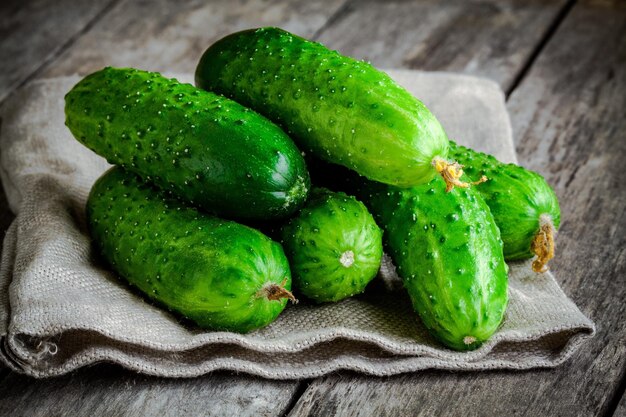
60 309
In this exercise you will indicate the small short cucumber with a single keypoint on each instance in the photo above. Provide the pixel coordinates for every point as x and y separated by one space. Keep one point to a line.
333 245
338 108
204 148
523 205
218 273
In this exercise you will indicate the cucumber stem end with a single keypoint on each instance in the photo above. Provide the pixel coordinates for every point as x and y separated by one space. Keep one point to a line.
452 172
543 244
275 292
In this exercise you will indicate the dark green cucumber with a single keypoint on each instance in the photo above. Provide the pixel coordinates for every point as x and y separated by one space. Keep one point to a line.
333 245
204 148
523 205
218 273
448 251
340 109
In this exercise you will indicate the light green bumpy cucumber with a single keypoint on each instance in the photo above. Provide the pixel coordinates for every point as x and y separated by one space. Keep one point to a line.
338 108
218 273
204 148
448 251
333 245
523 205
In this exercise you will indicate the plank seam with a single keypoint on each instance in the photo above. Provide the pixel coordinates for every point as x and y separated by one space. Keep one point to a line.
619 393
64 47
301 388
545 38
344 10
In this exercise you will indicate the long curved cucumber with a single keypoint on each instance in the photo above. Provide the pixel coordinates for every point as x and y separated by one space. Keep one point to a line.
523 205
333 245
338 108
218 273
204 148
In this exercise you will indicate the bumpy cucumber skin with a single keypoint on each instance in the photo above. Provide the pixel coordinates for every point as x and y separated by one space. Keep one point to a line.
204 148
340 109
448 251
517 198
206 269
333 245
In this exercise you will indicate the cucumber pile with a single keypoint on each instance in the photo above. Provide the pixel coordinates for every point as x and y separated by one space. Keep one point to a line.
199 168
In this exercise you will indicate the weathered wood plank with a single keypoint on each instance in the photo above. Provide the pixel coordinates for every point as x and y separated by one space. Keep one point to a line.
111 391
491 39
170 36
568 119
34 31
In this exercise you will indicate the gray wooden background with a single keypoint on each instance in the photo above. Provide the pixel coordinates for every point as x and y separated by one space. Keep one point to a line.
562 65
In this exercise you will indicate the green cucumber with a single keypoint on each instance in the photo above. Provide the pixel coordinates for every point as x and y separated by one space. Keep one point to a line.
339 109
523 205
448 251
204 148
446 247
217 273
333 245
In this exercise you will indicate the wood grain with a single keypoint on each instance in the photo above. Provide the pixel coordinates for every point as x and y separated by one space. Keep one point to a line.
490 39
170 36
568 120
34 31
111 391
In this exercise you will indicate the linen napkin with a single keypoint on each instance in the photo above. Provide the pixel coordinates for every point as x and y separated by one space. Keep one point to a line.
60 309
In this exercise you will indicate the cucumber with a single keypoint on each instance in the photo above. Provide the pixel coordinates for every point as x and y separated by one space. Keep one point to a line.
523 205
339 109
217 273
447 250
333 245
204 148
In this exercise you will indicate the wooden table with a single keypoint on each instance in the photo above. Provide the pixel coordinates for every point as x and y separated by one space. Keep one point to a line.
562 65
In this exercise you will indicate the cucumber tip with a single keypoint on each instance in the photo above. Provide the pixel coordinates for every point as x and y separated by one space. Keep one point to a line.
468 340
347 259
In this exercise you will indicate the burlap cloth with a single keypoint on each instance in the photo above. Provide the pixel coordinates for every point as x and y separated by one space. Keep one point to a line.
60 309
